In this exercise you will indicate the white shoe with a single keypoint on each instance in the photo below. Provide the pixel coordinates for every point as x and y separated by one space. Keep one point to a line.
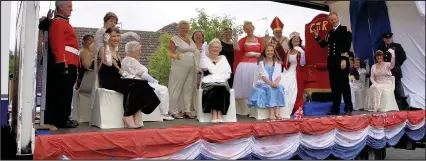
167 118
214 121
220 121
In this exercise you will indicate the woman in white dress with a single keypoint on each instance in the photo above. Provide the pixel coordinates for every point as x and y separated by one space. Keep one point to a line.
215 86
381 79
292 79
361 85
132 66
245 65
181 79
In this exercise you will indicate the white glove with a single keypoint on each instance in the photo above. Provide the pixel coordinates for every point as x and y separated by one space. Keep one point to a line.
108 57
124 74
106 38
299 49
149 78
391 51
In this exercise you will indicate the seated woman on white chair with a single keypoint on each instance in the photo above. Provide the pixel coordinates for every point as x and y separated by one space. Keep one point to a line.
381 79
217 71
269 93
137 94
132 66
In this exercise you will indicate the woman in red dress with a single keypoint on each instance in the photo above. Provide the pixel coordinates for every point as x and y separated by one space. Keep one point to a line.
245 65
293 78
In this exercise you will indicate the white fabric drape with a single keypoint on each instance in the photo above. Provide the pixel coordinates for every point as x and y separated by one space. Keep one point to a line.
409 30
421 7
284 146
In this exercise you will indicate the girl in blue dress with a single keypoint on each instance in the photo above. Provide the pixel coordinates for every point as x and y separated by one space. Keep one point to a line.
268 92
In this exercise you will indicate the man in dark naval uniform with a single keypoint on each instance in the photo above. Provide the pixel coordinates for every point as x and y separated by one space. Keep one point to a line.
339 41
400 57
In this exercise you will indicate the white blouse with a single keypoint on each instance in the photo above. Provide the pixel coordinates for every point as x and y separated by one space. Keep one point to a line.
133 67
219 72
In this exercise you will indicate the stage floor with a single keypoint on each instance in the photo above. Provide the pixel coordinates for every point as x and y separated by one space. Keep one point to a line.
85 127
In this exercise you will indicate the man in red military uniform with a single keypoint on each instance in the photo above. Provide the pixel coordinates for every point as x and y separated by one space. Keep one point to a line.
278 40
62 68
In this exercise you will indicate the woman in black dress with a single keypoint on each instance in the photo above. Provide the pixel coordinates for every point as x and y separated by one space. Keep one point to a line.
228 52
137 94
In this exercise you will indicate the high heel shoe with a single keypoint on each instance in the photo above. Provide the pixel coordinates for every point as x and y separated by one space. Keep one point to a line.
130 126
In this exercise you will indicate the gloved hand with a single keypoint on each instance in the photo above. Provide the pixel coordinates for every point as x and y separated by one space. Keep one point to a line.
391 51
299 49
148 78
61 68
106 38
124 74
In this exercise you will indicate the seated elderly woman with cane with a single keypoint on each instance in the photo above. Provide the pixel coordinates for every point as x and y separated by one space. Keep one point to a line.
138 95
138 71
216 71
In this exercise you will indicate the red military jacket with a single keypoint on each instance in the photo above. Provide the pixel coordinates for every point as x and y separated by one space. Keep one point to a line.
63 41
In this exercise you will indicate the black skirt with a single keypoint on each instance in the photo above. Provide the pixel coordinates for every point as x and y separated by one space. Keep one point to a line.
138 95
216 96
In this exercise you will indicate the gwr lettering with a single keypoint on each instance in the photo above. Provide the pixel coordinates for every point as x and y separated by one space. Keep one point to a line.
319 26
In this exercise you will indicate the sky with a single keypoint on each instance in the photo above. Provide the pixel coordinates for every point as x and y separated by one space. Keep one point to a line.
153 15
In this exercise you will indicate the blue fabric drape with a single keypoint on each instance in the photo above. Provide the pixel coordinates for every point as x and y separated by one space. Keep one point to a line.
379 21
369 21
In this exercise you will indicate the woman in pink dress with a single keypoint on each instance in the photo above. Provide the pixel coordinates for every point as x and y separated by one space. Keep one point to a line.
382 85
245 65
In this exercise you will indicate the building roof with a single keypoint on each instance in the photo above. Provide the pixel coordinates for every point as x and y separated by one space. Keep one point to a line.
150 40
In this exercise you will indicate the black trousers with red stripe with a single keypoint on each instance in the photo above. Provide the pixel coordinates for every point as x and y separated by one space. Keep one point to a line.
59 93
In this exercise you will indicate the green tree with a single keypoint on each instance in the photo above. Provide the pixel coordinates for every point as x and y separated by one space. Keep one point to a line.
213 26
159 63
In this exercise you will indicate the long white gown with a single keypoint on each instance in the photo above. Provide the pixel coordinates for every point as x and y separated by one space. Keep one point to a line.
289 81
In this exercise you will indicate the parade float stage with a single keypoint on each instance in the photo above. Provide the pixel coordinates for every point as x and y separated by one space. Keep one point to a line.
317 137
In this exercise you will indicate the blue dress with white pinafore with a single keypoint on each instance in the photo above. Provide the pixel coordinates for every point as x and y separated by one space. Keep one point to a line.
264 96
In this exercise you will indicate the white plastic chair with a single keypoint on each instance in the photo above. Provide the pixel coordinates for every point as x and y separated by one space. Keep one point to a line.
231 115
81 110
263 113
107 108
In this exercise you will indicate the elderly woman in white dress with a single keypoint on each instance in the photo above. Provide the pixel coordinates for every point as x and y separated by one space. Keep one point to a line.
217 71
133 67
181 79
382 83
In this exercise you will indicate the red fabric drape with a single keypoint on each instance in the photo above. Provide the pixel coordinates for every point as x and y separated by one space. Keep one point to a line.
149 143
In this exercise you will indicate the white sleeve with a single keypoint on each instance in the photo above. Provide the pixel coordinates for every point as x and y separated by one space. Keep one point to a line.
108 57
99 39
204 49
135 68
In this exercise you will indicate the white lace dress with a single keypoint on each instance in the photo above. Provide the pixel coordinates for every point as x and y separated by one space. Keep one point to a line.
360 89
380 96
289 81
